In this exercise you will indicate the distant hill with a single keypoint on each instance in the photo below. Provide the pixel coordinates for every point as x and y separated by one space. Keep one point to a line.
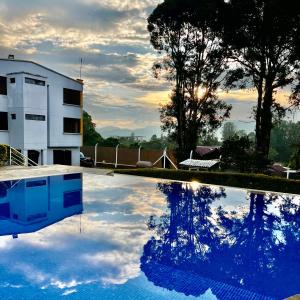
147 132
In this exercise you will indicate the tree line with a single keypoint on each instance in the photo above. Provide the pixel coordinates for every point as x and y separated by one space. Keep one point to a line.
208 45
237 146
91 137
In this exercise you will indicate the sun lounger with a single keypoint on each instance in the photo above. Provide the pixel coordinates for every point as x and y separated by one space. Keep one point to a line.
196 164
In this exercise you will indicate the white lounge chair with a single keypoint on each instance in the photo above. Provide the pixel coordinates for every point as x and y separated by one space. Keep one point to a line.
196 164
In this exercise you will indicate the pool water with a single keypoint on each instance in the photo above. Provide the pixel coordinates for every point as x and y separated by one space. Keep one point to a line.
124 237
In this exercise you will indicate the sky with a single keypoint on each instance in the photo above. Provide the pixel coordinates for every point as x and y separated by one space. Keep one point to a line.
112 39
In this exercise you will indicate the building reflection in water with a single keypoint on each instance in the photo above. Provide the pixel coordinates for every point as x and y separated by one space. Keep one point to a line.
29 205
201 243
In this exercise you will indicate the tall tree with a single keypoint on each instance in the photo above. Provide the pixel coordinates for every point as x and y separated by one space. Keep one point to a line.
229 131
195 61
90 135
263 38
295 158
284 138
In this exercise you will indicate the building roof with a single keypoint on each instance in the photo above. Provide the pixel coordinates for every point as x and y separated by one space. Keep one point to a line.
204 150
46 68
22 72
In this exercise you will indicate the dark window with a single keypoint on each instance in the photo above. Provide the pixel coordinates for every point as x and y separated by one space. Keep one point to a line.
34 81
36 217
36 183
13 116
3 121
35 117
72 176
13 80
34 155
3 85
71 97
72 125
62 157
5 210
72 198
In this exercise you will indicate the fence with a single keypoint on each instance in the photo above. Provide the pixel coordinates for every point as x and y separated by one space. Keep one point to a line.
126 157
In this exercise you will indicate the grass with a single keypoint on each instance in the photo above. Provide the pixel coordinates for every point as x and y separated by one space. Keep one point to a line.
240 180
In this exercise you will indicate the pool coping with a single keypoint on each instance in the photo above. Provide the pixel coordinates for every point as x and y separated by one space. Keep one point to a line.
18 173
52 170
208 184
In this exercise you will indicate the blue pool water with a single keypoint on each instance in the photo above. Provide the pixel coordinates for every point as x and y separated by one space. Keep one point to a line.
122 237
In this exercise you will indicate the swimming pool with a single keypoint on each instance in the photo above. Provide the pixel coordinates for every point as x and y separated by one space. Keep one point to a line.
126 237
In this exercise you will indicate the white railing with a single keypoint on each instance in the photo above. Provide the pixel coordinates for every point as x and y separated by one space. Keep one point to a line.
116 163
165 157
16 158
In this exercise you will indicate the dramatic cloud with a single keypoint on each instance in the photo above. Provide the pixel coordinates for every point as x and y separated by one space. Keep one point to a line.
111 38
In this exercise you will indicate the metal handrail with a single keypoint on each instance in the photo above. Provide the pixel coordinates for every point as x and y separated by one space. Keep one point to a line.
19 159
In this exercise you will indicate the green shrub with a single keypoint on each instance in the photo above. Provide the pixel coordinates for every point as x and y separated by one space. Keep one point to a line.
3 154
248 181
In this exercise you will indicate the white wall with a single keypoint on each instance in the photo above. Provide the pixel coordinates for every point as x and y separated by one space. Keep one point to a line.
57 112
35 102
76 157
4 137
3 102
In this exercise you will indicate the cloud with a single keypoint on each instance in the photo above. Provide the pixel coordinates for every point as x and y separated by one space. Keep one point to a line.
112 39
250 95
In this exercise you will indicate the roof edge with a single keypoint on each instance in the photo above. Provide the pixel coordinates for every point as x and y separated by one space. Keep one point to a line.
37 64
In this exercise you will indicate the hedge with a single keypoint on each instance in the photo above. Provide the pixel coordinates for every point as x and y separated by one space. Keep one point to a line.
240 180
3 154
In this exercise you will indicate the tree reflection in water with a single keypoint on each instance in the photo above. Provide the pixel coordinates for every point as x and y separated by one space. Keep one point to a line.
199 245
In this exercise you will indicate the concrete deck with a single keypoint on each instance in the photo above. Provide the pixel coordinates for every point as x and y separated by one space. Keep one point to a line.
16 172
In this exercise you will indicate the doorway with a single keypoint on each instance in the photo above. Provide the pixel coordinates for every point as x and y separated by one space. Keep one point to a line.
62 157
34 155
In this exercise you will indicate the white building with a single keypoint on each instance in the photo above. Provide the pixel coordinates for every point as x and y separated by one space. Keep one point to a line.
40 112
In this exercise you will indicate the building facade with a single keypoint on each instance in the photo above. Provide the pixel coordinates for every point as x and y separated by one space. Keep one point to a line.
40 112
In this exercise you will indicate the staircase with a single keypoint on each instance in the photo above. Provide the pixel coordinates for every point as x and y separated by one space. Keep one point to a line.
16 158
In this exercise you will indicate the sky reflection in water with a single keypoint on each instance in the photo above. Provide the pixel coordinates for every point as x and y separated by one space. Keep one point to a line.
141 238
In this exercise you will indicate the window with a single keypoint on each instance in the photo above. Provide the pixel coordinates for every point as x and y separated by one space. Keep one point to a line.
72 198
72 125
36 183
35 117
37 216
72 176
12 80
5 210
34 81
13 116
3 85
62 157
71 97
3 121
